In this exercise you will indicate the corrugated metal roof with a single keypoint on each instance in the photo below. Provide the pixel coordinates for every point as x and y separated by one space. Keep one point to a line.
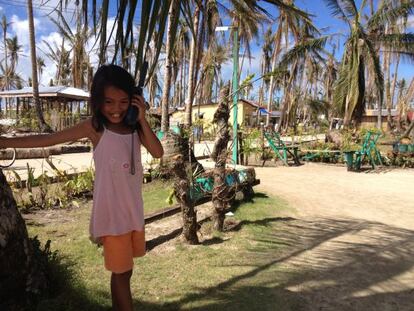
384 112
49 91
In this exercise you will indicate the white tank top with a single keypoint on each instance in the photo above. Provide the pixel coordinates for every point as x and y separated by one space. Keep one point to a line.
117 196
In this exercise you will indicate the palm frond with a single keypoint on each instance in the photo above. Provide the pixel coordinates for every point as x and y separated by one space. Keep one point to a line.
102 31
119 38
336 9
389 15
161 16
398 43
62 26
290 8
376 65
313 45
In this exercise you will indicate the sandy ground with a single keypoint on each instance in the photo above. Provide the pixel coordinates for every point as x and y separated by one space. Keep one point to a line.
351 235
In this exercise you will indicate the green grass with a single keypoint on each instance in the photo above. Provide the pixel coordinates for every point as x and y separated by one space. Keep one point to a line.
234 270
155 195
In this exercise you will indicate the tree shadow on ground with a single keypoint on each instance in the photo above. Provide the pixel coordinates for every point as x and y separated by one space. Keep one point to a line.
328 264
324 264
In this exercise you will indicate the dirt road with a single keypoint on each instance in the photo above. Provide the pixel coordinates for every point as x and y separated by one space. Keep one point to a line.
353 236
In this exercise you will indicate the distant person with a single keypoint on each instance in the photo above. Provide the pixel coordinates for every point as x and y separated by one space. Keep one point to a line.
117 220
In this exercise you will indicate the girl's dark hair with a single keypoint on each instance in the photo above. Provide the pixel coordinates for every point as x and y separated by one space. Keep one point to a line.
107 75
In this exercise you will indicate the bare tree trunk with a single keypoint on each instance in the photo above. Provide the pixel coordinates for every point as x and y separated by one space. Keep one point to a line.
191 77
181 188
388 99
173 15
39 113
20 275
219 155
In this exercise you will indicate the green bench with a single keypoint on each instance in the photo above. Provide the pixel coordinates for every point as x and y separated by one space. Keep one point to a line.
281 149
354 159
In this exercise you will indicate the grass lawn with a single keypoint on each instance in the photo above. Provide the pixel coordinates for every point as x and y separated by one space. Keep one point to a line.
155 195
235 270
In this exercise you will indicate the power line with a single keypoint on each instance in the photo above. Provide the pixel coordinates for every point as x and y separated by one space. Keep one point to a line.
37 6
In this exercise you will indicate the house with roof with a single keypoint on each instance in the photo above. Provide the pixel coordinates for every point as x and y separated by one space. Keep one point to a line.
62 104
249 113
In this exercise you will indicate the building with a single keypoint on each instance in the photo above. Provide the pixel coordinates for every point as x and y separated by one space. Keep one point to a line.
248 113
370 118
62 103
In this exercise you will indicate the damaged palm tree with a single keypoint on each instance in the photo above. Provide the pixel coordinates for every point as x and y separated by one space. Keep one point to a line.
182 193
219 155
20 275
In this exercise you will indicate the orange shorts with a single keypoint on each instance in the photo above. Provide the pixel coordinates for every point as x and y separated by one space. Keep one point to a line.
120 250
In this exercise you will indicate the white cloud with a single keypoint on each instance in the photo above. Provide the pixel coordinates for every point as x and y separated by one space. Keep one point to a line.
20 28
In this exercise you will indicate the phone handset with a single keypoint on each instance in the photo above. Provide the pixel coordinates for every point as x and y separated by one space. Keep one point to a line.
131 116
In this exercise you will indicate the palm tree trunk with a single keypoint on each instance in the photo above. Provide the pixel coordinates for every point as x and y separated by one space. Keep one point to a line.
191 77
21 275
219 155
182 189
388 99
39 113
173 15
6 67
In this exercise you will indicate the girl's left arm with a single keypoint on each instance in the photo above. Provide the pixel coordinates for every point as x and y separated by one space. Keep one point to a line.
146 135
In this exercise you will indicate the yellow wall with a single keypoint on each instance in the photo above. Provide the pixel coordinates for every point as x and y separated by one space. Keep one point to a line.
243 111
371 122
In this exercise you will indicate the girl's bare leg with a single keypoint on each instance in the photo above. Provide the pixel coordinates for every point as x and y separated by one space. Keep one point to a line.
121 291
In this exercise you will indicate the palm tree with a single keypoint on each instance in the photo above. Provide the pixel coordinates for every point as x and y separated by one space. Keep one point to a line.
265 60
304 59
289 21
173 17
361 53
14 80
4 26
40 65
193 56
15 49
77 41
61 58
39 113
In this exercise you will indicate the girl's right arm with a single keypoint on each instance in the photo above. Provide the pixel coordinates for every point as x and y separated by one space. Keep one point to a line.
81 130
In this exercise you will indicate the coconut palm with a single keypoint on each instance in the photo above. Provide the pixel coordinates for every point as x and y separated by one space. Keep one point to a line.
40 65
4 27
61 58
5 71
304 60
398 27
14 80
361 53
289 22
39 113
173 17
77 42
194 26
14 48
265 61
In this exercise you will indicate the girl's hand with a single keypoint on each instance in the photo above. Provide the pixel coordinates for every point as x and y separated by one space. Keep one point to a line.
139 102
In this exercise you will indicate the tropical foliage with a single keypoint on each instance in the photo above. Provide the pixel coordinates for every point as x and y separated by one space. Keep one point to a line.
299 77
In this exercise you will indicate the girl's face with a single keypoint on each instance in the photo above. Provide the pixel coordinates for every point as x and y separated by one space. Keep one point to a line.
115 105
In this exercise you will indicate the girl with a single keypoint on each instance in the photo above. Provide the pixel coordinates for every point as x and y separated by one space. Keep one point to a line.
117 219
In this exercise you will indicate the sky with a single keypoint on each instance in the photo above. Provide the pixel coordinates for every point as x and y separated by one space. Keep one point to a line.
15 11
